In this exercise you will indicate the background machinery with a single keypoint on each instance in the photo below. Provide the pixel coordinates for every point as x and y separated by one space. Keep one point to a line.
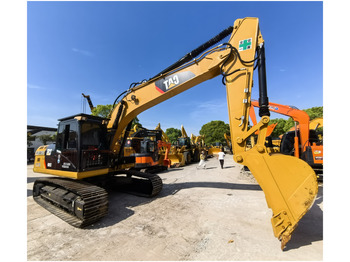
143 148
88 155
316 125
189 150
88 99
198 141
176 159
214 149
301 141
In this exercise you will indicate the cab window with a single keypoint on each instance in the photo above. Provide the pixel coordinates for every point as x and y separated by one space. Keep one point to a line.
67 137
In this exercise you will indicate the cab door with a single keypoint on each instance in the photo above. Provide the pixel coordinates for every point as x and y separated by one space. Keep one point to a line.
66 154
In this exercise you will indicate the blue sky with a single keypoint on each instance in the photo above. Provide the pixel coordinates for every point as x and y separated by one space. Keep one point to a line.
100 48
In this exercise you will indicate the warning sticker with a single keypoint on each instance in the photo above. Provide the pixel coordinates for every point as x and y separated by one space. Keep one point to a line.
245 44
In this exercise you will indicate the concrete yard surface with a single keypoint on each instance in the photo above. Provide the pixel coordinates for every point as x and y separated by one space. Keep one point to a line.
201 214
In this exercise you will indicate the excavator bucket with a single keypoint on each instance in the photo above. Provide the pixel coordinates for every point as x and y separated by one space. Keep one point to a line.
176 159
290 187
214 150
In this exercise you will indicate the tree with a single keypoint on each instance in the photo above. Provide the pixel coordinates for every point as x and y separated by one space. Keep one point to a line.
30 139
284 126
102 110
314 112
173 134
136 122
47 138
214 132
279 129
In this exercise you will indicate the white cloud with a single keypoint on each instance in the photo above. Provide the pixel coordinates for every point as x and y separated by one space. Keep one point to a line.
35 86
213 108
83 52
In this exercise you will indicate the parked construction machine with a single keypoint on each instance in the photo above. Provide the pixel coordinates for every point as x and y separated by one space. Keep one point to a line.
301 141
198 142
88 154
88 99
142 148
215 148
189 150
176 159
315 124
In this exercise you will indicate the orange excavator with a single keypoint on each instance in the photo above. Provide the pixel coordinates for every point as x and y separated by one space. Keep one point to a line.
302 142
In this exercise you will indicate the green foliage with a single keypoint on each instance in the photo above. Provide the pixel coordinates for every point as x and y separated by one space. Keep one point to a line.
314 112
102 110
288 125
47 138
214 132
30 138
173 134
136 121
283 125
279 129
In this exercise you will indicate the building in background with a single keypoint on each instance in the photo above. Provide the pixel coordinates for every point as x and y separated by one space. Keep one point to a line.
36 132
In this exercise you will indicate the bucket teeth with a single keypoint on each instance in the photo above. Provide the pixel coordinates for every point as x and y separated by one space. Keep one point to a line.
284 240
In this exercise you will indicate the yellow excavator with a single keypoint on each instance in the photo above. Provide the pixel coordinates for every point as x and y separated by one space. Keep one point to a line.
176 159
189 150
198 142
215 148
88 154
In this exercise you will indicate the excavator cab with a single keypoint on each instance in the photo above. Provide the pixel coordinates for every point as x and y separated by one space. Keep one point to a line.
184 141
145 148
80 145
313 153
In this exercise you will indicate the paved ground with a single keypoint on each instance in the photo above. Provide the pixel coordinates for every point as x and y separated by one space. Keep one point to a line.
212 214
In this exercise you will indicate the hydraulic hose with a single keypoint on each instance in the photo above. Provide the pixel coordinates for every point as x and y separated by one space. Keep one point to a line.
191 55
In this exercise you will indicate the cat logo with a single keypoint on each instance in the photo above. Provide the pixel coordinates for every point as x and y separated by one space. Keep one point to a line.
169 82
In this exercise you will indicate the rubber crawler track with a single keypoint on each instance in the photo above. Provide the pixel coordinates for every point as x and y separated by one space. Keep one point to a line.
95 200
148 186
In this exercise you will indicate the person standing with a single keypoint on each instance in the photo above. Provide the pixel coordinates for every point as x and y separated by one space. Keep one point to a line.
202 160
221 157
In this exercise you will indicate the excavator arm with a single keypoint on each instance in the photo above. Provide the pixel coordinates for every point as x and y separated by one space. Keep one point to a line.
289 184
89 101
